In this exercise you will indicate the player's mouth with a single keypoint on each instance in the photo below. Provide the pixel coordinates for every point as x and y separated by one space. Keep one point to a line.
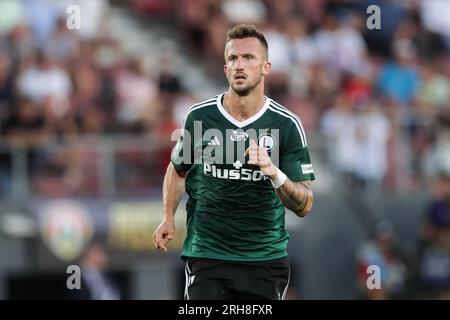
240 77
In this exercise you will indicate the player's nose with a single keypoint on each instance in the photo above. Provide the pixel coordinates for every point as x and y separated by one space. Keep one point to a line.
239 64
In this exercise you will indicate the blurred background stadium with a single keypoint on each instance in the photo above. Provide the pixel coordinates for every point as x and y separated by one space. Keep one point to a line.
86 117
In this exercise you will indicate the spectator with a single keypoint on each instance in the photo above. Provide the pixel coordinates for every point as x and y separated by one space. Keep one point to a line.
96 284
44 79
400 79
383 253
433 268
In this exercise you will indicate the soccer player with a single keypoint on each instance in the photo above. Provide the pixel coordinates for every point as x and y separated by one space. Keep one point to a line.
243 158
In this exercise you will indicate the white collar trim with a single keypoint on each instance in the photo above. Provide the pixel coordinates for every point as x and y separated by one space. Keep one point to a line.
241 124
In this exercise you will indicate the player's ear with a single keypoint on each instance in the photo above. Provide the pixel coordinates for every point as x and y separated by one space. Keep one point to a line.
267 66
225 68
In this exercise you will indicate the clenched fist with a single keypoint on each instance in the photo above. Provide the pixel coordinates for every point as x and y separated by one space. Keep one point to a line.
258 156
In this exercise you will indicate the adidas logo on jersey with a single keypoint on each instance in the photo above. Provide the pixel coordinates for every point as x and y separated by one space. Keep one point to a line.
214 141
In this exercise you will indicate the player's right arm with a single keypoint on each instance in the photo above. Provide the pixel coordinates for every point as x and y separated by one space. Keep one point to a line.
173 188
173 185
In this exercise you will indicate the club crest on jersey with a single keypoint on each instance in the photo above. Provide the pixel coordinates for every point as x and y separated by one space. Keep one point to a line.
238 135
266 141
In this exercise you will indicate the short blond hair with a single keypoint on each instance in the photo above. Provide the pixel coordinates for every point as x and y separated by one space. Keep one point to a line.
243 31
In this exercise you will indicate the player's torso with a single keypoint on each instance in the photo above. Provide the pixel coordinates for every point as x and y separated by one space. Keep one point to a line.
237 210
220 144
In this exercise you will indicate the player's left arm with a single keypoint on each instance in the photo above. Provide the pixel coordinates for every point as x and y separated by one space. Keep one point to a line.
296 196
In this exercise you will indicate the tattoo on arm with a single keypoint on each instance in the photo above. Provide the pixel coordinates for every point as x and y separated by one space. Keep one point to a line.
295 195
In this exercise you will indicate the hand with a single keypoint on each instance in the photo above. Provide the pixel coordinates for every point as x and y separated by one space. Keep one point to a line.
163 234
258 156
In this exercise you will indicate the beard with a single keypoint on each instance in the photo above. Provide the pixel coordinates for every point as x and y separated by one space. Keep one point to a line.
245 90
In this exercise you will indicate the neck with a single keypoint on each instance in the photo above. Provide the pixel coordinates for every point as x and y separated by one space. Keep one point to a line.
243 107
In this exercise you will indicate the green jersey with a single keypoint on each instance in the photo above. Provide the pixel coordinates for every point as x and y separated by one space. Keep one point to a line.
233 211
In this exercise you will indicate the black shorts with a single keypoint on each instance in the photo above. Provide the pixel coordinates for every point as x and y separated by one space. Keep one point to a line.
208 279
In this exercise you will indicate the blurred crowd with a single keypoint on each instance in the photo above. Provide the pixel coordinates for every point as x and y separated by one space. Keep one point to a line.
379 98
59 84
422 274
